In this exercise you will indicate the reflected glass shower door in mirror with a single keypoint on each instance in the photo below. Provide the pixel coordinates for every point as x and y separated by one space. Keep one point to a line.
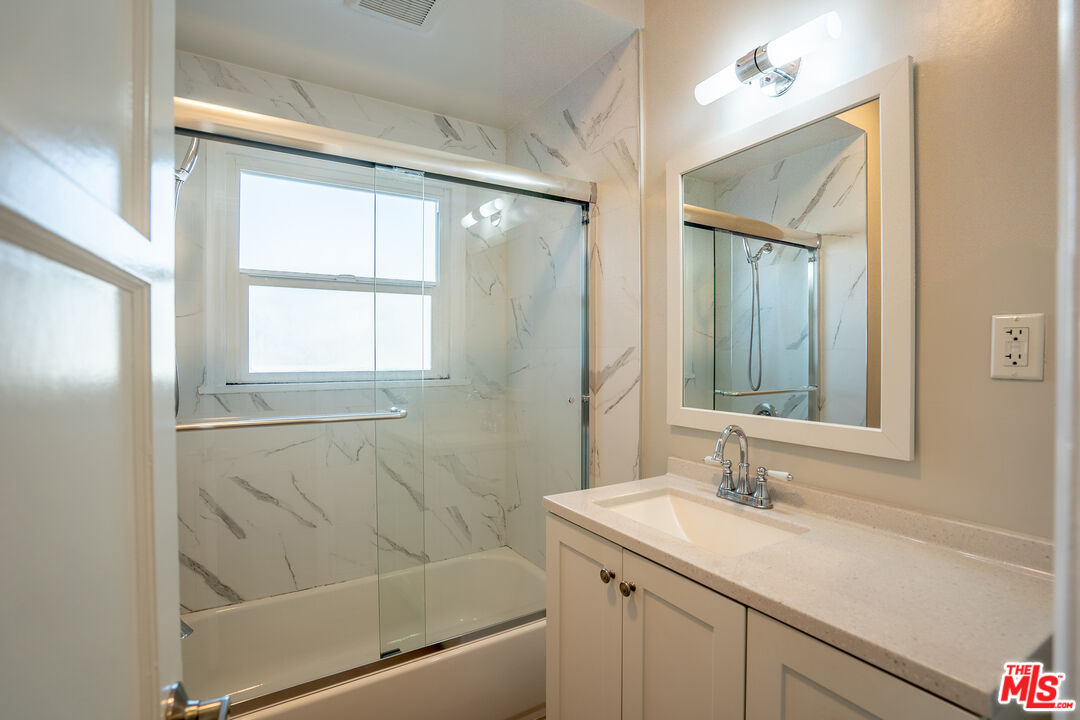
317 286
781 276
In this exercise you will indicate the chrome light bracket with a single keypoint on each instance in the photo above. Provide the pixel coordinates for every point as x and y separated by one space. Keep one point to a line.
777 81
773 81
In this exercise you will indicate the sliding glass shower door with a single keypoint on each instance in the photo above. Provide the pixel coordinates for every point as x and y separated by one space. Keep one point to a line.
447 321
503 418
406 270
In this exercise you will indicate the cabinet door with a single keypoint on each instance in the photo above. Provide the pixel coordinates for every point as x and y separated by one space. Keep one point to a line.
584 645
792 676
683 647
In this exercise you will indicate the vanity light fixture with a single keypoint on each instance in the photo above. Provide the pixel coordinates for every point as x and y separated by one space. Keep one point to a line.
491 209
775 64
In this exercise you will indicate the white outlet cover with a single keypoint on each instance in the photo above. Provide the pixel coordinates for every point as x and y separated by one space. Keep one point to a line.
1017 346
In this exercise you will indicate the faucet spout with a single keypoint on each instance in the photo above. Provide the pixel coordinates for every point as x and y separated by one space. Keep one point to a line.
742 484
740 491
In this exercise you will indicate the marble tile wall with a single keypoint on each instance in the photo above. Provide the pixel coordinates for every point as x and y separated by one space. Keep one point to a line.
307 515
699 315
591 130
700 274
822 190
270 510
545 266
223 83
274 510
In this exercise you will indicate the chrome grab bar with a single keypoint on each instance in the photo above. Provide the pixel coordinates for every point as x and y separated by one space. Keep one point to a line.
732 393
393 413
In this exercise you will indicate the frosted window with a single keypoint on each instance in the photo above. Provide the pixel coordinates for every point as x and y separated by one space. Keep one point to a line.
314 330
296 226
403 331
289 225
407 229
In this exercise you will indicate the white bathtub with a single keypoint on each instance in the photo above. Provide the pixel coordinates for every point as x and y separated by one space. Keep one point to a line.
262 646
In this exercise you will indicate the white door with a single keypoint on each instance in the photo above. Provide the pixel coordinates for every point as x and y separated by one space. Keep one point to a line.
89 612
584 619
683 647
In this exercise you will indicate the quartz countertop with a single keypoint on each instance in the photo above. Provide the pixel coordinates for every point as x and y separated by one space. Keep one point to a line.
940 603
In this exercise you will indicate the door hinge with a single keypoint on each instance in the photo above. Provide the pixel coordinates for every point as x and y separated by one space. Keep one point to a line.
584 216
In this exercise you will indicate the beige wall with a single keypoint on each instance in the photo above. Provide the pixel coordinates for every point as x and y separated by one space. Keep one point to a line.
985 204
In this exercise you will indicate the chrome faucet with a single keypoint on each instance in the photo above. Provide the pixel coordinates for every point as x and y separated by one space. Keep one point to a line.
738 489
742 486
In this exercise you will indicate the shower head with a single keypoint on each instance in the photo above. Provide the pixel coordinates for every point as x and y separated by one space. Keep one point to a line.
753 258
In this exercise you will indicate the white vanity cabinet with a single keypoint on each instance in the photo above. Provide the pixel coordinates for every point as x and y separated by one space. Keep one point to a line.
669 649
791 675
674 649
584 625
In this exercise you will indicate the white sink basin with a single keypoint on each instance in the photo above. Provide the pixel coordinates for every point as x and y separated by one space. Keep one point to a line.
706 523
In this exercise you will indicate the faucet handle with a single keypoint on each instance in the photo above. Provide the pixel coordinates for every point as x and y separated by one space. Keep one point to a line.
727 483
761 496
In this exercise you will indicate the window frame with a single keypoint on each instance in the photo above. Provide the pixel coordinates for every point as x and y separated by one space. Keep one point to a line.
227 284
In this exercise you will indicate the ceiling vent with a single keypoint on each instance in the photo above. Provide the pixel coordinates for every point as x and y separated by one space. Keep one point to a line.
411 12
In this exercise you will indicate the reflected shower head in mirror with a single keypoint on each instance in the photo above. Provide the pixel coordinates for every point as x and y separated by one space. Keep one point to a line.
755 310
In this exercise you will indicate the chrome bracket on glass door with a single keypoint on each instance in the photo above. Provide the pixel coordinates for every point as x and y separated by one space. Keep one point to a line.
178 707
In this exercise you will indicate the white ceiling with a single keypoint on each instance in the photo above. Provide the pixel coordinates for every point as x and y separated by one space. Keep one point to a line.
489 61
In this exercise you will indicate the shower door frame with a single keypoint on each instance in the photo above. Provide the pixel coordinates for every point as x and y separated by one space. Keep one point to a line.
227 125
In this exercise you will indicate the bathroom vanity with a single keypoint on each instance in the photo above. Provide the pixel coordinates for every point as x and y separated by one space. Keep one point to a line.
666 602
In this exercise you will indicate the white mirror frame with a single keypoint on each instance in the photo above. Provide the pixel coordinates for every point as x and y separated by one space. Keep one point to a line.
892 85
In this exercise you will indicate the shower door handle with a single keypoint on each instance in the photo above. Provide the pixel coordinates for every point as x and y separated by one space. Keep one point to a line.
178 707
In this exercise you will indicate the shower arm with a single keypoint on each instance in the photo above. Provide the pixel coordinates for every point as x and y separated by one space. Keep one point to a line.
184 171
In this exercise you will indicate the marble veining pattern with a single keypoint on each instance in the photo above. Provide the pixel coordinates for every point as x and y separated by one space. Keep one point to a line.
274 510
224 83
265 511
817 190
590 130
270 510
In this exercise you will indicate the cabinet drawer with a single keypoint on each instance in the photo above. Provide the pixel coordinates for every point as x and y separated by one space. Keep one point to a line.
792 676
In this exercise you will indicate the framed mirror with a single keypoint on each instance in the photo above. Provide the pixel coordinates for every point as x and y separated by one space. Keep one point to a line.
791 274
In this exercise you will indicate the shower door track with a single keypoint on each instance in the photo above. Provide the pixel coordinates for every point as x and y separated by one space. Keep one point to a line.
245 707
217 122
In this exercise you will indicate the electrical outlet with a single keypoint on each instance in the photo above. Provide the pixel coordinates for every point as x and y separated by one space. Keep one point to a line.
1017 345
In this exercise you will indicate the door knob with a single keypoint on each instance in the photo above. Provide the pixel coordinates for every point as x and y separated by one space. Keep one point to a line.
178 707
627 587
606 575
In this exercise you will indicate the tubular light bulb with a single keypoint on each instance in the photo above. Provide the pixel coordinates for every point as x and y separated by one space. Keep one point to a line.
469 220
491 207
717 86
803 40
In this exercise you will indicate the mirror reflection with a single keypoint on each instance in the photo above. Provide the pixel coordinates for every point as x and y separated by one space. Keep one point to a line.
781 276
